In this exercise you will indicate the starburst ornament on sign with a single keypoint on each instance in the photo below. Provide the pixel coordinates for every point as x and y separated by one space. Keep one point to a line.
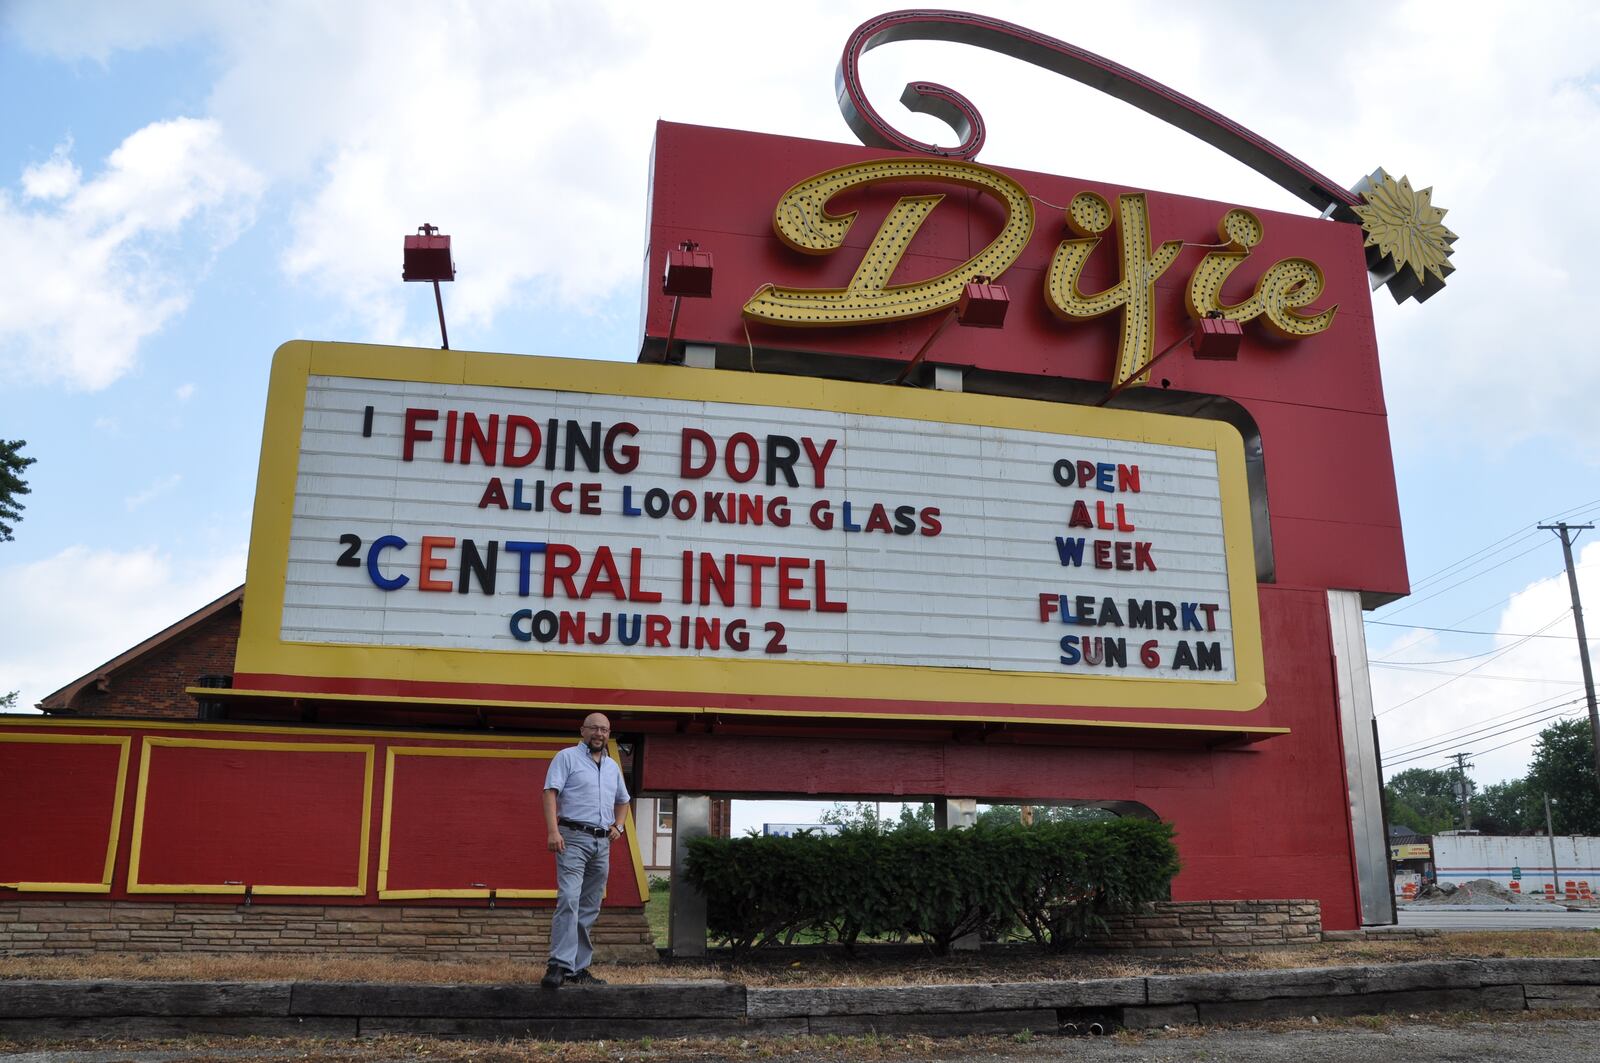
1408 248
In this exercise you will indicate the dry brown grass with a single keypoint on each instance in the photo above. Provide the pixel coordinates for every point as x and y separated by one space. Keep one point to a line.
868 1048
813 969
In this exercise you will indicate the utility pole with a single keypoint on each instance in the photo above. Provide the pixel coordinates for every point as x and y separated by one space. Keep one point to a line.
1463 790
1568 535
1550 832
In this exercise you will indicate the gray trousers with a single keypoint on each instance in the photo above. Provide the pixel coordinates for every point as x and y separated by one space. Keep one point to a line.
581 871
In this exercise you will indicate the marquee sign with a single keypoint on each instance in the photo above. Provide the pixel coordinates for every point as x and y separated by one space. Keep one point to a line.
440 525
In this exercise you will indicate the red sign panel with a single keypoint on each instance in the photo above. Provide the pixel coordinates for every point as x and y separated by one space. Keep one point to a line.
1315 398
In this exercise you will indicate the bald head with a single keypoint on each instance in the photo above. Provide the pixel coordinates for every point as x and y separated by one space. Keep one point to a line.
596 730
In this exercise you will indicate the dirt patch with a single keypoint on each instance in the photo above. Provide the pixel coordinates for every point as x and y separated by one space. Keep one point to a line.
1478 891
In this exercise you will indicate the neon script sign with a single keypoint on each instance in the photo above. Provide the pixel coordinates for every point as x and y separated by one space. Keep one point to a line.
803 222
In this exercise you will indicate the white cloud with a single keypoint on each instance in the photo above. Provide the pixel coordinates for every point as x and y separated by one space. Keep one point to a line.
524 130
94 29
68 613
95 267
1530 680
163 486
185 392
56 178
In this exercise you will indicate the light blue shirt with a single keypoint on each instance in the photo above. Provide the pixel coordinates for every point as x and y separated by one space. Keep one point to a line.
589 792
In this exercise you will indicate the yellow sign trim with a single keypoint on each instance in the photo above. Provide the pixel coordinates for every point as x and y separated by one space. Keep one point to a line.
251 728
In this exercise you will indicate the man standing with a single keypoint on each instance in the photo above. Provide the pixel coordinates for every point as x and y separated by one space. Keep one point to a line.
584 802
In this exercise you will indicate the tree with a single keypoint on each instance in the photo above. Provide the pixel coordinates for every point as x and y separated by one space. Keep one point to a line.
1508 808
1005 815
12 464
1563 767
1423 801
9 701
865 818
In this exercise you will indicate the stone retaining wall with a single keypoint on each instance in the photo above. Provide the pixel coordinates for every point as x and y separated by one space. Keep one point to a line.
1213 924
65 927
30 1010
71 927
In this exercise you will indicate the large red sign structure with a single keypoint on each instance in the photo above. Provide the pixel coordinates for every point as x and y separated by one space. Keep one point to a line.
1271 818
1005 486
846 261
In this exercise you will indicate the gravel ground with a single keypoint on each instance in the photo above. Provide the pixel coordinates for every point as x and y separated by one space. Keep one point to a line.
1522 1039
1547 1041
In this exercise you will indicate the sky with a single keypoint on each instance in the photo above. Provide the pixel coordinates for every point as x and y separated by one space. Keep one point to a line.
186 185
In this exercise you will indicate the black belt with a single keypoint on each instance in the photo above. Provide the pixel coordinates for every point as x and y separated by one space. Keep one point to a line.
598 832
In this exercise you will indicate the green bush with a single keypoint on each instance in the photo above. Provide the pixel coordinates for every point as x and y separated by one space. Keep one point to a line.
1055 881
1067 876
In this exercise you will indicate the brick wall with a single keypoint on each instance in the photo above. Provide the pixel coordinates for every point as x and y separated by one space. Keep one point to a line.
1213 924
154 684
76 927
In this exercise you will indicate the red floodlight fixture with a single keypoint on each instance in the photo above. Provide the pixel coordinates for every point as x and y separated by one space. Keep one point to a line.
1216 339
427 258
983 304
687 276
688 272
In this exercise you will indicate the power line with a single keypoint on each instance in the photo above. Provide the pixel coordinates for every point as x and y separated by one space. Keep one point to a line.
1554 712
1505 541
1461 734
1535 706
1561 616
1423 669
1420 640
1513 742
1424 665
1467 631
1457 620
1541 723
1413 603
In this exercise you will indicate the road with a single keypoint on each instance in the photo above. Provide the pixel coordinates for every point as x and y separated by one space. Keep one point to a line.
1536 919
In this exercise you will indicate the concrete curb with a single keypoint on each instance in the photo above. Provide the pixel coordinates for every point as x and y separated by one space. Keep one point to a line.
69 1009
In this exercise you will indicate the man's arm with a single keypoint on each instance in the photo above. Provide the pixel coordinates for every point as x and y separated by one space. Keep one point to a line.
618 810
552 830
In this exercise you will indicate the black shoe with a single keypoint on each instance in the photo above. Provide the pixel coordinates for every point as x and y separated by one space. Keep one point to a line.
584 977
554 975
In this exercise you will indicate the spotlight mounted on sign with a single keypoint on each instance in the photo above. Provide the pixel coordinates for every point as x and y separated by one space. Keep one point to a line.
687 276
427 258
983 304
1216 339
688 272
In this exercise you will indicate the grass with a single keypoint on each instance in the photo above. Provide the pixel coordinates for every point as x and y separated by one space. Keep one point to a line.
780 969
655 909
